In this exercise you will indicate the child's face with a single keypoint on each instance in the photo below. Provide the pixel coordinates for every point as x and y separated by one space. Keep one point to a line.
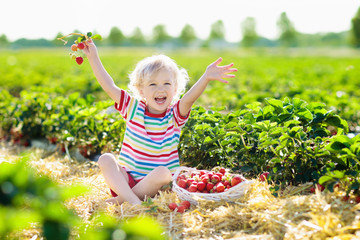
159 91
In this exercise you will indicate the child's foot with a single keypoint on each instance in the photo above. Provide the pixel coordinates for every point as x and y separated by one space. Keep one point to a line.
118 201
114 200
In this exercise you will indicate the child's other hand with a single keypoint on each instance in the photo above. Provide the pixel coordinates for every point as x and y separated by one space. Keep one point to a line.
215 72
90 49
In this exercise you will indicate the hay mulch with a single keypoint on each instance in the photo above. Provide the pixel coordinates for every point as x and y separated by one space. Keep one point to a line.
295 214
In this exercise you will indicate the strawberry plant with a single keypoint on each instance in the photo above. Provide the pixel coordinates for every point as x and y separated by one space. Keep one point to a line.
26 198
345 163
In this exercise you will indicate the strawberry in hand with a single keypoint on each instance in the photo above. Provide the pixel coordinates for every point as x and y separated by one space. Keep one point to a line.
81 48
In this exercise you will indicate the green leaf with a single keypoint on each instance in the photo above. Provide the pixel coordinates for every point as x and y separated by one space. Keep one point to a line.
298 103
89 34
304 114
74 191
338 174
335 120
319 117
73 97
324 179
320 132
149 228
275 103
97 37
268 110
336 146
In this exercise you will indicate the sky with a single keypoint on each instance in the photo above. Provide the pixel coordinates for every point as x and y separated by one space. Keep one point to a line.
34 19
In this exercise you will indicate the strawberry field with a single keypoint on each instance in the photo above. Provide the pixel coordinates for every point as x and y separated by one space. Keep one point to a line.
295 117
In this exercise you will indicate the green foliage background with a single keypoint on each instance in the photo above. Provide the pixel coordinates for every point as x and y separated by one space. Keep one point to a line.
285 112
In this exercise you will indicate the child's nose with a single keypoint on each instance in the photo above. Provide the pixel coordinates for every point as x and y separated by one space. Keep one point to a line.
161 88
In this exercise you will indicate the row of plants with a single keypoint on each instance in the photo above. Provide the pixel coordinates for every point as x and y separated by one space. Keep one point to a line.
31 201
69 122
330 80
295 141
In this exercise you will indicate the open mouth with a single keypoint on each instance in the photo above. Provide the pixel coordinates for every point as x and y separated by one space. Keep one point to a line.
160 100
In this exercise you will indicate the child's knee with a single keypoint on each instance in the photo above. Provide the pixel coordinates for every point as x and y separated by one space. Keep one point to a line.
105 160
163 173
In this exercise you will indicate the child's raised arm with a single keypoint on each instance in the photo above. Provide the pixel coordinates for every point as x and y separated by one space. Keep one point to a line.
100 73
213 72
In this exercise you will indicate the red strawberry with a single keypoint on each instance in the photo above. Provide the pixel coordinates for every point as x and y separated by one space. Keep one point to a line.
215 179
201 186
220 175
79 60
222 170
357 199
226 183
81 45
210 175
204 179
202 173
181 209
345 198
74 47
236 180
320 187
264 176
173 206
53 140
193 188
312 190
186 204
182 176
220 187
209 186
182 183
195 173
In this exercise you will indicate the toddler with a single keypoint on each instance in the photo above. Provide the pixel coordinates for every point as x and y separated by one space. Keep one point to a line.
154 116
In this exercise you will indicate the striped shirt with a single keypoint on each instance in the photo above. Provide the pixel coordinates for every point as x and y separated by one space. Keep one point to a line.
150 140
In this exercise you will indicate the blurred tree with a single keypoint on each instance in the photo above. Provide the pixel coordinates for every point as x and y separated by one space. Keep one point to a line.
217 31
137 38
159 34
57 42
287 31
4 42
187 34
250 36
355 29
116 37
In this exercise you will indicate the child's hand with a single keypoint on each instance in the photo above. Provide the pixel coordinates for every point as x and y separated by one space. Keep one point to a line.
215 72
90 49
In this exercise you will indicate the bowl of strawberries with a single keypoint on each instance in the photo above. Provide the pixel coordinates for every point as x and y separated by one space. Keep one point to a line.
218 184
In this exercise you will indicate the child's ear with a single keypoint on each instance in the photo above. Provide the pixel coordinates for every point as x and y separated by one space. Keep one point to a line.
141 92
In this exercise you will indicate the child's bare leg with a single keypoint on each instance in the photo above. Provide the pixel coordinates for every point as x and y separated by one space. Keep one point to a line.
117 179
151 183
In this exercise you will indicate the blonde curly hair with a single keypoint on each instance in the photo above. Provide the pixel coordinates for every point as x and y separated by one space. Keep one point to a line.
149 66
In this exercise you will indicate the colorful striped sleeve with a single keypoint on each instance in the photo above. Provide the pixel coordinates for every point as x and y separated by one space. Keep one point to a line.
179 120
123 104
